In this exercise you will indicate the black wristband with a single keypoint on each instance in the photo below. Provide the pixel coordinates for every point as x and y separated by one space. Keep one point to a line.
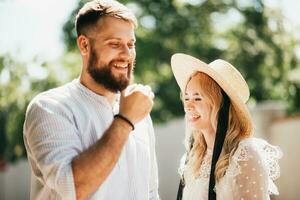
125 119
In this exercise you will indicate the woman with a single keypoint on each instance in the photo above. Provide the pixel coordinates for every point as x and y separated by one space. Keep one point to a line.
223 160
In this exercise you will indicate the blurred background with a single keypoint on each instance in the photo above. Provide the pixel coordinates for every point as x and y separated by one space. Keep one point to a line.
261 38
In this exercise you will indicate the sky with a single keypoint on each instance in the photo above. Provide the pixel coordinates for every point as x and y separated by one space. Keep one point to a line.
33 28
30 28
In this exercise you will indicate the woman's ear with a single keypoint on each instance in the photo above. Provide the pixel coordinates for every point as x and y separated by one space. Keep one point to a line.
83 45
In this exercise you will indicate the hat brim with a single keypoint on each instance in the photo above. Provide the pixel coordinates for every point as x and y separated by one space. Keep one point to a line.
184 66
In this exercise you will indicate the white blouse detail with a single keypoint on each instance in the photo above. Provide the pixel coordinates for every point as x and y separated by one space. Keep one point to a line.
250 174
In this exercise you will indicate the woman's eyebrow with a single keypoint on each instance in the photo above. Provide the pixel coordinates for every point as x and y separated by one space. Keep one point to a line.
194 94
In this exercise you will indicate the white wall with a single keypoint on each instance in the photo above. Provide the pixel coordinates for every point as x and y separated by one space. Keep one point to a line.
286 134
169 149
15 182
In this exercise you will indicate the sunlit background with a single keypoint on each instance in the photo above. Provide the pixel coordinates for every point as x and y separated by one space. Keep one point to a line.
261 38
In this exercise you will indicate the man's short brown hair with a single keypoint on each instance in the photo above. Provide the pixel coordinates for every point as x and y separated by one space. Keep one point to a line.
92 11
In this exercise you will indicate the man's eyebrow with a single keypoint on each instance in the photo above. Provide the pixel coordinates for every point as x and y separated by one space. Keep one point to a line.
116 38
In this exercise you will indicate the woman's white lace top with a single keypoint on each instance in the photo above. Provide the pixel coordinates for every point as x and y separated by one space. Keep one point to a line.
250 174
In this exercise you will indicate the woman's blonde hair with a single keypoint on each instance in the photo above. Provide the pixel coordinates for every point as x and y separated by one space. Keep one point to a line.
236 131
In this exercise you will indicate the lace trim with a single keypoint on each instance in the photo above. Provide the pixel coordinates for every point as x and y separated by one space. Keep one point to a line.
272 155
204 168
206 165
182 165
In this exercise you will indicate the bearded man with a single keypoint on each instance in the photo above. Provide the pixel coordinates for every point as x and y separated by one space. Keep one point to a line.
93 138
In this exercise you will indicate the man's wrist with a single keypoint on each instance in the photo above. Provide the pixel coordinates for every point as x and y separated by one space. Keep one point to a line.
125 119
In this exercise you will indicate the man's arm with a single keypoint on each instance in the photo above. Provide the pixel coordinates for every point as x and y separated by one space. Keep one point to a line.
91 167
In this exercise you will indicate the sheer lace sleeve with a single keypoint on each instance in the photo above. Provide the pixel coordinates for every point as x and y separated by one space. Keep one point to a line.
253 167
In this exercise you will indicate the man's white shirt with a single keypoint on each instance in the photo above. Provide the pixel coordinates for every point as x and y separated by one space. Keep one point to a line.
63 122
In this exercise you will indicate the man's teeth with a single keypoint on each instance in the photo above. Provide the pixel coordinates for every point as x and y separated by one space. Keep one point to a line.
120 66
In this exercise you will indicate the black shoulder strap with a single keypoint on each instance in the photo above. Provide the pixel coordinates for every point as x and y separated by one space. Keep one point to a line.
180 189
219 141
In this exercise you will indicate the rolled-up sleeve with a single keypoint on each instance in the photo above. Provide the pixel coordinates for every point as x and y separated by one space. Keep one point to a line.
52 141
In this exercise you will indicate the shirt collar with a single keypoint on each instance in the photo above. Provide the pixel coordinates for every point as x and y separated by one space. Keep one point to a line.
97 97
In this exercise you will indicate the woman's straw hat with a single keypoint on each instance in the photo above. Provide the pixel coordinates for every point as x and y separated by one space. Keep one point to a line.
226 75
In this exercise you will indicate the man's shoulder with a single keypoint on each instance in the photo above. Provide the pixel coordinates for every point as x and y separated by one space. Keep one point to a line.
54 96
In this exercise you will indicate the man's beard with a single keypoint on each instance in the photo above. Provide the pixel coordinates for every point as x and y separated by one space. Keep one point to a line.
103 74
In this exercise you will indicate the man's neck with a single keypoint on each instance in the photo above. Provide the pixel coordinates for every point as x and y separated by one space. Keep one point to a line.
88 82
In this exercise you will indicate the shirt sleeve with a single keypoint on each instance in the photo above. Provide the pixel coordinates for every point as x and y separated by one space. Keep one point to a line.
255 171
153 185
52 141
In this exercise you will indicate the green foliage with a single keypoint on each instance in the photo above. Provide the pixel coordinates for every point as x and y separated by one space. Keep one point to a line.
263 53
17 88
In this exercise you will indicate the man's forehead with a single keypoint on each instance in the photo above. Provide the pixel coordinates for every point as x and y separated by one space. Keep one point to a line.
113 28
112 22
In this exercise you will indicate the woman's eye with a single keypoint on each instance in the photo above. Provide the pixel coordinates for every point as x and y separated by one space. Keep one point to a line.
198 99
186 99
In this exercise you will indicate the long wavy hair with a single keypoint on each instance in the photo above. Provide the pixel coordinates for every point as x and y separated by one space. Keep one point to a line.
235 133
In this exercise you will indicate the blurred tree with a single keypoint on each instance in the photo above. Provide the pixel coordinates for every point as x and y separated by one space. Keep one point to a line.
17 87
257 44
264 52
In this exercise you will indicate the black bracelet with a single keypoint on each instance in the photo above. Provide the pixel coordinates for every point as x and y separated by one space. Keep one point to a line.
125 119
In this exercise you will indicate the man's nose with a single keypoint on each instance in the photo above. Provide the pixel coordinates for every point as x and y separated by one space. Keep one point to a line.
125 53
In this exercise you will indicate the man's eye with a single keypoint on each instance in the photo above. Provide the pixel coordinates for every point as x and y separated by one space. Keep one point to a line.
115 44
131 46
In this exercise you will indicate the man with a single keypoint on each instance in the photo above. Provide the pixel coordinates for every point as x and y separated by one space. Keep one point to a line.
92 138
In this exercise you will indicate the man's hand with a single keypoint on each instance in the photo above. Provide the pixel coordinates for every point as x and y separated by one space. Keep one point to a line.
136 102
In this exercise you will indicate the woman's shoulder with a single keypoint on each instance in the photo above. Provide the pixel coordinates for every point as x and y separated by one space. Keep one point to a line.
259 150
251 147
259 147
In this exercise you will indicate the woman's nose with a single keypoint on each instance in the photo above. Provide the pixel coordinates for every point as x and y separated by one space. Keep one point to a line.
188 106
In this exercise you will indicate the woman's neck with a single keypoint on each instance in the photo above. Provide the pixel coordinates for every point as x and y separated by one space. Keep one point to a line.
209 136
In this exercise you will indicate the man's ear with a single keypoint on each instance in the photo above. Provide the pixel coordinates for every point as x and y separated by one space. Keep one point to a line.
83 44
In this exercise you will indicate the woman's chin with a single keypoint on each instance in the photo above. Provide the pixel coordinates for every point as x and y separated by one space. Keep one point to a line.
193 127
